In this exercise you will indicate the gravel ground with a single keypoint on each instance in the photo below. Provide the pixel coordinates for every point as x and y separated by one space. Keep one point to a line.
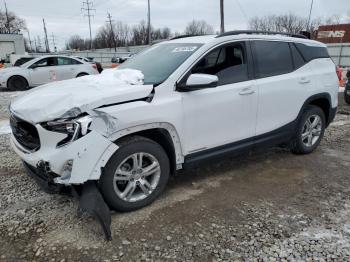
263 206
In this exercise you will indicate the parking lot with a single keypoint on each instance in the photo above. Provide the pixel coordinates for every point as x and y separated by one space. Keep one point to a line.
263 206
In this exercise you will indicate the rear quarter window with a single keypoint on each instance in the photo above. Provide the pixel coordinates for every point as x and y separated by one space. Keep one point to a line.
312 52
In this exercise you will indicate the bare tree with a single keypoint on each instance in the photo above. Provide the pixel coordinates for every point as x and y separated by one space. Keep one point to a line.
140 33
198 27
333 20
291 23
76 42
11 23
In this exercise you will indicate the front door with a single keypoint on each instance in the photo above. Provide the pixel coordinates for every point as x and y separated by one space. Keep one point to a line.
43 71
227 113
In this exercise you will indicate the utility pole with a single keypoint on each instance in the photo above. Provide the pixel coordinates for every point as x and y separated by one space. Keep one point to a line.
87 7
309 20
36 47
222 17
149 23
110 21
53 42
46 39
7 19
30 41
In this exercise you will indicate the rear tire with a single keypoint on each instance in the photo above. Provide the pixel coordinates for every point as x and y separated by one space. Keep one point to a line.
17 83
310 131
139 164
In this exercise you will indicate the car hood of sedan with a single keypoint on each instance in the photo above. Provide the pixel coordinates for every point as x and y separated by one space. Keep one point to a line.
71 98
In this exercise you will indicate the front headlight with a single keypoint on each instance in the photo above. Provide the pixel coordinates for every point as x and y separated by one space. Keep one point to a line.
74 129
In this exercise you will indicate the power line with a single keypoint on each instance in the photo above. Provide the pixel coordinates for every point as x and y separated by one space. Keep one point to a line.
242 11
46 39
87 7
110 21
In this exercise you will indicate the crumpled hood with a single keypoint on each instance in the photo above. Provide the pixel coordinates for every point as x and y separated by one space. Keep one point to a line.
70 98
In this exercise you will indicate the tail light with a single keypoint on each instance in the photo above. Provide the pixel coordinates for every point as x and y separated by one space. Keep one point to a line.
94 66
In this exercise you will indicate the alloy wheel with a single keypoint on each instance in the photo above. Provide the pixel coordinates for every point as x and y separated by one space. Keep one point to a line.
136 177
312 130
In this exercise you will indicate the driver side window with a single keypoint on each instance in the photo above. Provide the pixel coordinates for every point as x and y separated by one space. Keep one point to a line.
227 62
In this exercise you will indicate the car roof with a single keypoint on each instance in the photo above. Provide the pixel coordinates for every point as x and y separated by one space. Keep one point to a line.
214 39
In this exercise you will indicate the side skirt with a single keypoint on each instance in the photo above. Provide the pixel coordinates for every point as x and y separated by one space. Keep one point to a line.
279 136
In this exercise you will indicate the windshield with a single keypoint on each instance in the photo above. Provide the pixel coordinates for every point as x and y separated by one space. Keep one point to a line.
25 65
158 62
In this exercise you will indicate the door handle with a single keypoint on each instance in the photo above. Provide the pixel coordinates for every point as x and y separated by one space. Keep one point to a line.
246 92
304 80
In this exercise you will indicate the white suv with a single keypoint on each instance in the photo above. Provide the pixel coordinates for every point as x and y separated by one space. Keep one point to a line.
176 103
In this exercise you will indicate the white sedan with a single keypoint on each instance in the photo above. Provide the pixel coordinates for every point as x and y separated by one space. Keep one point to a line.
43 70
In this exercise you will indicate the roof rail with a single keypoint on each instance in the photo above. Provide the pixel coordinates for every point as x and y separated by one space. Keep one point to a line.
256 32
182 36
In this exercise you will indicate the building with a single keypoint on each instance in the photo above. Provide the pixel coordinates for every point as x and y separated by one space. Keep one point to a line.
11 44
337 38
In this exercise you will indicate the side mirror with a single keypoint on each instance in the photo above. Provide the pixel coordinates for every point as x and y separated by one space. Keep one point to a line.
198 81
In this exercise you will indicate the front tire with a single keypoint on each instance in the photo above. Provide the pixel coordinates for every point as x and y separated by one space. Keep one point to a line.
310 131
135 175
17 83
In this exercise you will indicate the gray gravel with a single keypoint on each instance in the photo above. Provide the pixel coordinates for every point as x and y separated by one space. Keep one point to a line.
270 206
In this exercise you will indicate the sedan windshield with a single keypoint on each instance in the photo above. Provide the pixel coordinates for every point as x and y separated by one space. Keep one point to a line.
158 62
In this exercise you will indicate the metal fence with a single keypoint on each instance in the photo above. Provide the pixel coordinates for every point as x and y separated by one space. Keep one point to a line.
340 54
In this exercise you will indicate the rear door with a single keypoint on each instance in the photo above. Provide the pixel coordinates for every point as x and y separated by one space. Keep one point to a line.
282 85
67 68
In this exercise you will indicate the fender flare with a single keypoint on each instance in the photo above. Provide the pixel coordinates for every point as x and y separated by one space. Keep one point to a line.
161 125
315 97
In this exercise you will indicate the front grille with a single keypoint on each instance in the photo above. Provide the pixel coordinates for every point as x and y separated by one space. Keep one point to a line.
25 133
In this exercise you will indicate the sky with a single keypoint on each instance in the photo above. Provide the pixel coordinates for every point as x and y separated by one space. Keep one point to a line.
65 18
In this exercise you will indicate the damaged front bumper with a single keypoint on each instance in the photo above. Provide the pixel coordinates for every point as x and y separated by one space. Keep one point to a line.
88 195
75 163
71 169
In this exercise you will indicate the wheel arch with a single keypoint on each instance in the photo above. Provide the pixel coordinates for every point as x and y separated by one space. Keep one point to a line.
164 134
22 76
323 101
82 74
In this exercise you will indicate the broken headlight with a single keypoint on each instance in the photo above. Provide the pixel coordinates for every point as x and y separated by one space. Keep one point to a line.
72 128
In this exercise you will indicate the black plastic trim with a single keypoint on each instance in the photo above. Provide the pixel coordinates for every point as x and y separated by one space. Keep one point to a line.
278 136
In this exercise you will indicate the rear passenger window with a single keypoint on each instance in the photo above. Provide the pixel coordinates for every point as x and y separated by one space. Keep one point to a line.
272 58
297 58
